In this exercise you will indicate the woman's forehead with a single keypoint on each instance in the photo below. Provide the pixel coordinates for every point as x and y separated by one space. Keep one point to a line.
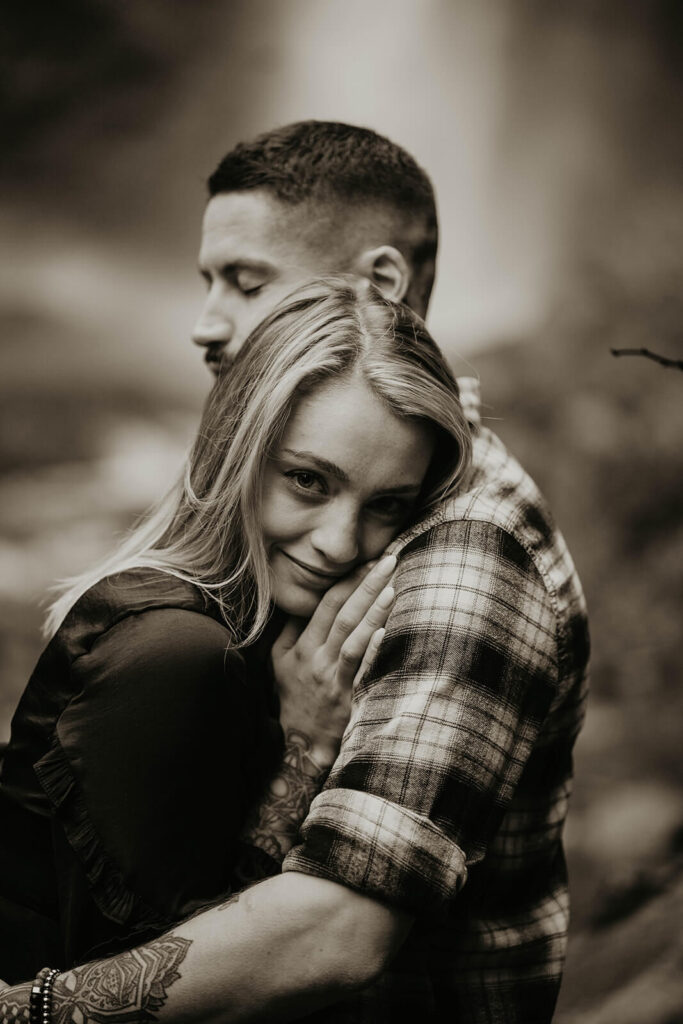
345 424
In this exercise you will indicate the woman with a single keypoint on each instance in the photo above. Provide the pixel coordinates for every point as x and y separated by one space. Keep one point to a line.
150 726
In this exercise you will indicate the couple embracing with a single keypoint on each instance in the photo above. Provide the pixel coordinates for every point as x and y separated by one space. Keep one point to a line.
265 769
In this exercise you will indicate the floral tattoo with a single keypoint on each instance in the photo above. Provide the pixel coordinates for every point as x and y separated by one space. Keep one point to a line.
130 988
274 825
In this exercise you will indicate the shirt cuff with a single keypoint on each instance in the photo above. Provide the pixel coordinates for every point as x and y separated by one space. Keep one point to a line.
379 848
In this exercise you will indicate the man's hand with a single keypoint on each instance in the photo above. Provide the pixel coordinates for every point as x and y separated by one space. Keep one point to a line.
317 662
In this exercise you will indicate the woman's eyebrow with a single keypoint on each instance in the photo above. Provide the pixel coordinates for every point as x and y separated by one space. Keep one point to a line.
403 489
334 470
324 464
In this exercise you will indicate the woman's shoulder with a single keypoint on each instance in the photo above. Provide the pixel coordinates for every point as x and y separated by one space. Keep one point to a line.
134 595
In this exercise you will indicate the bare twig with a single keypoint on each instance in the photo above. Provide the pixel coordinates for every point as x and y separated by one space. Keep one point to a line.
677 364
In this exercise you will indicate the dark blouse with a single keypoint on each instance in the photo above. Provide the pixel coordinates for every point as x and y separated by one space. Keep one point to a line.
136 750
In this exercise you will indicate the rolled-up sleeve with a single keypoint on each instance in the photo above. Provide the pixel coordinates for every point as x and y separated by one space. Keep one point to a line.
443 724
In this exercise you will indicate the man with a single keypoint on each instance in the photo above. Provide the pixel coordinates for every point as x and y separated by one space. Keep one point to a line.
430 877
310 199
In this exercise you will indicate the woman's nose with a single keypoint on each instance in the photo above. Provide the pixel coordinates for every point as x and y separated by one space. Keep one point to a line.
337 535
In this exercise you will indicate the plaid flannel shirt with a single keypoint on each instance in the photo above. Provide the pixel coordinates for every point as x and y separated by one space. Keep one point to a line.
450 792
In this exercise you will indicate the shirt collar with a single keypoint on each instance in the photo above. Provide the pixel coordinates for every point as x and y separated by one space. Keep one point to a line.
470 399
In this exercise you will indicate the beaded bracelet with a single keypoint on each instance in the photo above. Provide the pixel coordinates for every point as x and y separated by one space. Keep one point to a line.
40 999
47 995
35 1003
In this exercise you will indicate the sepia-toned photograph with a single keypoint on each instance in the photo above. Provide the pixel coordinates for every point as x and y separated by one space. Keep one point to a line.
341 512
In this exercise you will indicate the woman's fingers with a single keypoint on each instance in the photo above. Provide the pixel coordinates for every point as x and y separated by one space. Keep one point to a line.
314 677
359 649
355 645
357 606
332 601
370 653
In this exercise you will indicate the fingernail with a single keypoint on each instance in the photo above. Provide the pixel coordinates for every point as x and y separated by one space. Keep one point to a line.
386 597
388 563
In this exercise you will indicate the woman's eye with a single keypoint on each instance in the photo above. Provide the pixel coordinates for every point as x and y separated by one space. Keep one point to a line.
389 508
306 481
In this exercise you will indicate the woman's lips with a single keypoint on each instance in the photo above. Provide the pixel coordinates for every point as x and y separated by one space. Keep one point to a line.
318 574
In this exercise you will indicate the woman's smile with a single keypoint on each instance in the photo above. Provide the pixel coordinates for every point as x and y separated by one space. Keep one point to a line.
322 575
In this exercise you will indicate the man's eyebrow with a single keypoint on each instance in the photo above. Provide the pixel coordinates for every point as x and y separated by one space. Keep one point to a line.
234 267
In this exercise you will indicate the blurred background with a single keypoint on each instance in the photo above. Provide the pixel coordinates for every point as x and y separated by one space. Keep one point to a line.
552 135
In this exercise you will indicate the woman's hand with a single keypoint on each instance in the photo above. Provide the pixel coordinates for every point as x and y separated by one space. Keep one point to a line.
315 663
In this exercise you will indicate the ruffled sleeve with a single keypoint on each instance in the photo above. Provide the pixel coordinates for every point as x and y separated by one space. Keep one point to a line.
105 881
154 763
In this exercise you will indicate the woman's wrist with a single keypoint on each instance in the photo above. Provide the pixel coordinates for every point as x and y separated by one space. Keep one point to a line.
313 755
274 825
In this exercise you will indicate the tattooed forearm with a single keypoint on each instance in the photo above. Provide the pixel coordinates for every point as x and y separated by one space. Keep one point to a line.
130 988
274 824
134 986
14 1005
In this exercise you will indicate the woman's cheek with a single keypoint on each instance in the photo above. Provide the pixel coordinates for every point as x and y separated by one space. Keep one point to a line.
377 539
283 515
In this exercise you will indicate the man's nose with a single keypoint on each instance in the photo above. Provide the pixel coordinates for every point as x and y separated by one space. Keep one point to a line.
337 536
215 325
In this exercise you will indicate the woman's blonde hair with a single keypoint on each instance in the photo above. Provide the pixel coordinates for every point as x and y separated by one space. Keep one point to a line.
207 528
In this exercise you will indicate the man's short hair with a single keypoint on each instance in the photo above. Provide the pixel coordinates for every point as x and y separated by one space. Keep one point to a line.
342 165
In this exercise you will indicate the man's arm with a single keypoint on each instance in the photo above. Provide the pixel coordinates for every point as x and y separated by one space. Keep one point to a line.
444 723
280 950
439 736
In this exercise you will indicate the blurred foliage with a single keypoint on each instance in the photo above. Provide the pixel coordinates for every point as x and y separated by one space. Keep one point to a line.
67 60
603 438
74 52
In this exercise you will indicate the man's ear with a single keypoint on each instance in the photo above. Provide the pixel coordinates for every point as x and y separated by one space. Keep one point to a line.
386 267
